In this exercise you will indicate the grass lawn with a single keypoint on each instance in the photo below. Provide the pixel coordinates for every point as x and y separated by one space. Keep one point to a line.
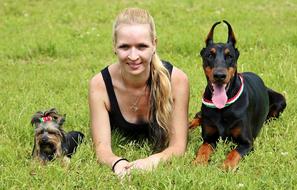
49 50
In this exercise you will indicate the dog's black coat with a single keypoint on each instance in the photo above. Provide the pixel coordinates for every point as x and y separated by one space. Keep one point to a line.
64 144
242 120
71 141
248 113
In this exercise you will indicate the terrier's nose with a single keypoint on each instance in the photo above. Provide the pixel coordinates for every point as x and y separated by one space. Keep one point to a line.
44 138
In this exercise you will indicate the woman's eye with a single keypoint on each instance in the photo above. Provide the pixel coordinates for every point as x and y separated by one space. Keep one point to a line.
124 47
142 46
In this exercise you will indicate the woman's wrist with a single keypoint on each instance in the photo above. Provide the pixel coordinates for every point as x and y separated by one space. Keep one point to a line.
154 159
116 162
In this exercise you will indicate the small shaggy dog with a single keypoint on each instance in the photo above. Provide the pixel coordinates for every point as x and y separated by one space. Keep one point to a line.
50 140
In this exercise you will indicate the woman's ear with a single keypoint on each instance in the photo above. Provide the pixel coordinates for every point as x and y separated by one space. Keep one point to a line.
155 42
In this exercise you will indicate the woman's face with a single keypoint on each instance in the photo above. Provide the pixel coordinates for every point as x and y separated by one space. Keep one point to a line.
134 47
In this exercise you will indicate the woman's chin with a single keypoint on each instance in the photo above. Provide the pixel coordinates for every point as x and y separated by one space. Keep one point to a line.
135 68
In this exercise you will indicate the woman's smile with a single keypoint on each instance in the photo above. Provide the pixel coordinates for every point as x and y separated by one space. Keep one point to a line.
134 47
134 65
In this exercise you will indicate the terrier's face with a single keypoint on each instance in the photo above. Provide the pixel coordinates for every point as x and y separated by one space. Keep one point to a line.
48 137
48 134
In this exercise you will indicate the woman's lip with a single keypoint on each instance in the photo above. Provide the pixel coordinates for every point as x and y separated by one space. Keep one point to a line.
134 65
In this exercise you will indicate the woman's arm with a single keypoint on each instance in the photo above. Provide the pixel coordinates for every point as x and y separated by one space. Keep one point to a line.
178 128
100 125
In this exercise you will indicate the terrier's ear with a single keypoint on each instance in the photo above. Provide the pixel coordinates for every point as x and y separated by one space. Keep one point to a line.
50 111
60 119
36 119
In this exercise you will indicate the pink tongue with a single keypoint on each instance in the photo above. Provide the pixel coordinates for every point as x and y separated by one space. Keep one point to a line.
219 97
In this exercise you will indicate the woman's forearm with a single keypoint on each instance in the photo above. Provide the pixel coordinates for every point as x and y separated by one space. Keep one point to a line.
168 153
106 156
153 160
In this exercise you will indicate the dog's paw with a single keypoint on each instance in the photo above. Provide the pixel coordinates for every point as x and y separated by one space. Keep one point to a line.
196 121
65 161
229 167
232 161
200 160
203 154
192 124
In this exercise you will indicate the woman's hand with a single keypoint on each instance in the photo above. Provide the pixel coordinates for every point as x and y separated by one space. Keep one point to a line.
148 163
122 168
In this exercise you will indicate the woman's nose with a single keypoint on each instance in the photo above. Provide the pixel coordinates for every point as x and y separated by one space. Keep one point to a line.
133 55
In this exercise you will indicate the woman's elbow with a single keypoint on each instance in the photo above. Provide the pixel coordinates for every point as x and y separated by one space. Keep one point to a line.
178 150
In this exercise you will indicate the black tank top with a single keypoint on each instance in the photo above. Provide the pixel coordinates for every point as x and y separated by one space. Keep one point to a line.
116 119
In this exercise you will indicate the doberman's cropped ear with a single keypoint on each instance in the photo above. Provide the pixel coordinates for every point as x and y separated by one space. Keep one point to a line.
209 39
231 36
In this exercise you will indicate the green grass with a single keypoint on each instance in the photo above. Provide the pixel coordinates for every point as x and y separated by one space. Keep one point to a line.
50 49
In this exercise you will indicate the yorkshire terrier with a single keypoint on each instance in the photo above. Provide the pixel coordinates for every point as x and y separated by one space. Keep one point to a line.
50 140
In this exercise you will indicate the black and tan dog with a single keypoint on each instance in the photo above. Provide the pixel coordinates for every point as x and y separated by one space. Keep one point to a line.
234 105
50 140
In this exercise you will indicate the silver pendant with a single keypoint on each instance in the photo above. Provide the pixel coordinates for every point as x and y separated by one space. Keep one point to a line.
134 108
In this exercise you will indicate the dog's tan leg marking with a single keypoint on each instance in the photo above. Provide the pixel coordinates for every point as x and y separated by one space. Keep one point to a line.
203 154
232 160
194 123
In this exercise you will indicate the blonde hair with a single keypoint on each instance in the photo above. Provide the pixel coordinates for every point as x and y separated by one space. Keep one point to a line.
159 81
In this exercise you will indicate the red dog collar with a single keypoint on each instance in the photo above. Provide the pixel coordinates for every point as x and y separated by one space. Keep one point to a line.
210 104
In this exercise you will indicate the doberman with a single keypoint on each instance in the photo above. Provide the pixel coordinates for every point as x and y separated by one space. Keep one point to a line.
234 105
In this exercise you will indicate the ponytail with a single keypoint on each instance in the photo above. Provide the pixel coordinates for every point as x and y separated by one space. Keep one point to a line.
161 104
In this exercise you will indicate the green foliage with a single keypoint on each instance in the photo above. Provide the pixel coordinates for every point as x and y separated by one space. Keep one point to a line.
49 50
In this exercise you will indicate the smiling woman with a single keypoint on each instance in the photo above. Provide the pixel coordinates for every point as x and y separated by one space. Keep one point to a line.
140 95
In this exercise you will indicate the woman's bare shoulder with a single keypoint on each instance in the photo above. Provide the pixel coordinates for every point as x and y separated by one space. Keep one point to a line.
178 77
97 81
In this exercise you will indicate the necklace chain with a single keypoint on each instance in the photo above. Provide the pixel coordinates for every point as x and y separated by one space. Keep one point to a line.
134 106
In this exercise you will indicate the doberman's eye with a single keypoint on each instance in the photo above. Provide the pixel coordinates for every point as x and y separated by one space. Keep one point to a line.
228 56
210 56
